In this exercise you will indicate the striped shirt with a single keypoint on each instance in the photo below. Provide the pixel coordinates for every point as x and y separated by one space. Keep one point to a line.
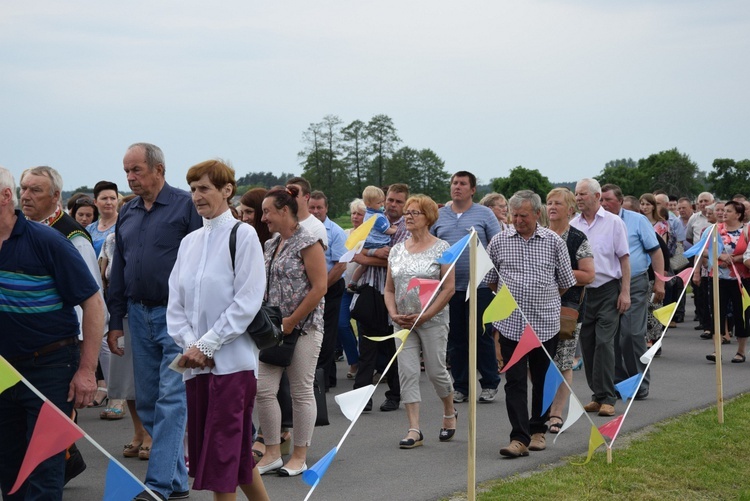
42 276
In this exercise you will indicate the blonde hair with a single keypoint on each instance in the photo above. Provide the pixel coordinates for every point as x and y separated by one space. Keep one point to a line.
372 194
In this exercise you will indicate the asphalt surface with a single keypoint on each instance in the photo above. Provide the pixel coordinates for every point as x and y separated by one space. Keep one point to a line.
370 462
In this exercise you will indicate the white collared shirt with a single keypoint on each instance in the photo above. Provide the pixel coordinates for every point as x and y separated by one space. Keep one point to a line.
210 302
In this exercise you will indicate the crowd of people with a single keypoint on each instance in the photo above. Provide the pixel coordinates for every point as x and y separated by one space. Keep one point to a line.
145 301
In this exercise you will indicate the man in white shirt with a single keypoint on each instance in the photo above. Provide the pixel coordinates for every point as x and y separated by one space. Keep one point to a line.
307 220
607 297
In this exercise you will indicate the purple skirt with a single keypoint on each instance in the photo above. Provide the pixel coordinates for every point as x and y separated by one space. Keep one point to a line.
220 430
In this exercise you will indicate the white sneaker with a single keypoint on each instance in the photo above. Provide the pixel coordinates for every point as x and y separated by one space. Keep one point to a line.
459 397
487 395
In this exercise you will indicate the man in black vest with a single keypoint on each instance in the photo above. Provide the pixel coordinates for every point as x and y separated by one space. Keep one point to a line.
40 201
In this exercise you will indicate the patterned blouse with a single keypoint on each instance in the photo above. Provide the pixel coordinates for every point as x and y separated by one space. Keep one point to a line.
404 266
288 283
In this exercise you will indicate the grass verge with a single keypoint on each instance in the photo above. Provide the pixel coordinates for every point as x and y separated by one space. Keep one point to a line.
690 457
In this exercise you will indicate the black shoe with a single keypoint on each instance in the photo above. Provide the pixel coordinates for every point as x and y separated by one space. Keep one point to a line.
699 327
179 495
74 465
641 395
389 405
706 335
368 407
145 496
679 319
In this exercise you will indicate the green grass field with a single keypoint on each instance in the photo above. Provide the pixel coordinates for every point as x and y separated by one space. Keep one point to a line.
691 457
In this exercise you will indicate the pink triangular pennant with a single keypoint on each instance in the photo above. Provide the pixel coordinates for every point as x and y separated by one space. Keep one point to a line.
426 287
685 275
528 342
663 278
611 428
53 433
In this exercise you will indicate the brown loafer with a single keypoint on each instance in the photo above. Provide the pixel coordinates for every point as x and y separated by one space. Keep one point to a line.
514 449
538 442
592 406
607 410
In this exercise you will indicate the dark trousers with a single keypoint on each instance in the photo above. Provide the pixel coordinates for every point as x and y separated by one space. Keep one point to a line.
600 324
630 340
327 357
703 300
458 343
368 357
729 293
533 364
19 408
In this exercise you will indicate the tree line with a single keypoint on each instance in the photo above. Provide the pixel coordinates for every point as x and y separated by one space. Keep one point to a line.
669 170
341 159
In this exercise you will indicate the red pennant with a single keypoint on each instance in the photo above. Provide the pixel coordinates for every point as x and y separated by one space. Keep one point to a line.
528 342
612 428
53 433
426 287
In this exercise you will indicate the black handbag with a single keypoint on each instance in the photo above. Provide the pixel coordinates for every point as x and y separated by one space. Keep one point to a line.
369 309
282 354
265 329
284 398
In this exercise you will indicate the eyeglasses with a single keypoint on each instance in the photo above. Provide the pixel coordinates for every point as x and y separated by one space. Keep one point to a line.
501 206
413 213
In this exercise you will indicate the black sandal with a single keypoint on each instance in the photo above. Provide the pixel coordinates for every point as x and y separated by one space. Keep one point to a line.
258 455
738 358
555 427
446 434
410 443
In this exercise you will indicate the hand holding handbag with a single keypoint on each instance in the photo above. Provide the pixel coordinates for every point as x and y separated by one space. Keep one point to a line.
265 329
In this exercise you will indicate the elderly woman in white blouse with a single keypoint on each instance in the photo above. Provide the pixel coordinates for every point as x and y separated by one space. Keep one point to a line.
211 303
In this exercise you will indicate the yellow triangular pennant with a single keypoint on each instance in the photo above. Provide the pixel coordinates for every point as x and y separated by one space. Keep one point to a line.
501 306
745 302
360 233
595 440
8 375
664 313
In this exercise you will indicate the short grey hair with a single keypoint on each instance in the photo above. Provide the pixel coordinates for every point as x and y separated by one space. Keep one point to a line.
154 155
7 181
592 184
522 196
56 181
357 205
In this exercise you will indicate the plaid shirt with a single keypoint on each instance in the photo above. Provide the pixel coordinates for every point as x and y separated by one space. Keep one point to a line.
534 270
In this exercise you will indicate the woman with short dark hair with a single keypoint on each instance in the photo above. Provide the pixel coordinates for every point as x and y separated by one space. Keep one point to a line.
212 300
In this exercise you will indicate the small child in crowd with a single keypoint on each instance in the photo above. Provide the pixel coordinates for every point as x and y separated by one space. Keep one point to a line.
379 236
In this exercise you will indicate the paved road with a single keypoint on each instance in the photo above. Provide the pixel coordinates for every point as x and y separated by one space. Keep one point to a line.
370 461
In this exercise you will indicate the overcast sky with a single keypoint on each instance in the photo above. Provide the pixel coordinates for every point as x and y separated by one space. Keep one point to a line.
558 86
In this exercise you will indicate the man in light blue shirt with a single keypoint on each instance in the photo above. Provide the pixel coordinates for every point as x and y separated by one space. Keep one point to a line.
318 207
630 340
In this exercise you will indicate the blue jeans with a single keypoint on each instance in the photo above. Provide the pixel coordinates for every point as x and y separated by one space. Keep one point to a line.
160 397
346 335
458 343
19 408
